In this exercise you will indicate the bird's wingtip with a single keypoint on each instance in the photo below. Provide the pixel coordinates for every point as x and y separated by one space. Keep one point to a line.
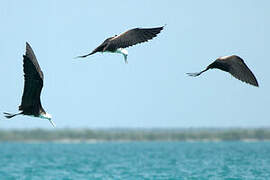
27 44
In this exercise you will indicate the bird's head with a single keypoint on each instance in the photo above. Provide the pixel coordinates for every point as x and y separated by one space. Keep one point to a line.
46 116
49 117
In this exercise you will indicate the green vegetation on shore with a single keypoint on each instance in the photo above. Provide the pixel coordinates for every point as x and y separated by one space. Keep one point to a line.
189 134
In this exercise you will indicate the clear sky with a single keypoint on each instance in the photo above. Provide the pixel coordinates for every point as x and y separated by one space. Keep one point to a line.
153 89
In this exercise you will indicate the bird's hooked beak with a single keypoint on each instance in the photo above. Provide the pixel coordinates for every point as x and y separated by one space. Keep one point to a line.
125 57
51 121
49 117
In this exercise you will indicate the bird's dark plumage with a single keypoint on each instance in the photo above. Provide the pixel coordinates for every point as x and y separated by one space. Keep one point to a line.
133 37
33 83
126 39
235 66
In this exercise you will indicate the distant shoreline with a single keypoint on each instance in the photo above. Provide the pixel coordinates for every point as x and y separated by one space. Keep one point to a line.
136 135
129 141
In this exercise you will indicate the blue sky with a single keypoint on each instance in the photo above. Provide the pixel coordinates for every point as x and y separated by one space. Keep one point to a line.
152 90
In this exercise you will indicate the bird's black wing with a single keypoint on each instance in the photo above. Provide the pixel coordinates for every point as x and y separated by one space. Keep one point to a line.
33 83
132 37
240 70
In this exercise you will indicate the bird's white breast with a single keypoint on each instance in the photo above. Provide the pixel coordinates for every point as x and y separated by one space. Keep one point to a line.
122 51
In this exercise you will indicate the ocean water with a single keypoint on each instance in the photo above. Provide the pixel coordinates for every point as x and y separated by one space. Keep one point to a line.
135 160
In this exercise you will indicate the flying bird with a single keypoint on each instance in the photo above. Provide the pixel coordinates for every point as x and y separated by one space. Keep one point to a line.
235 66
117 43
33 83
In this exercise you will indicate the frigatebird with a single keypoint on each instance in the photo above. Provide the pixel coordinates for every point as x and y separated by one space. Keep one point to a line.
117 43
33 83
235 65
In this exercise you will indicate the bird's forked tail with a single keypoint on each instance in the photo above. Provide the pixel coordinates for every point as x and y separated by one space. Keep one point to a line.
9 115
198 73
83 56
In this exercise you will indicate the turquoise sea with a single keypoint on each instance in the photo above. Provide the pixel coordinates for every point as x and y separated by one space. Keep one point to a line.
135 160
